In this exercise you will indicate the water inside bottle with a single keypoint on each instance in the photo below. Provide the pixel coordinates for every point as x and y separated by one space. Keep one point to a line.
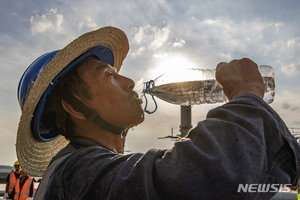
190 92
202 92
269 89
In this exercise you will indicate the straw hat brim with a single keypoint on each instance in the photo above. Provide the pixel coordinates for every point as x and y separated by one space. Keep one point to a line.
34 155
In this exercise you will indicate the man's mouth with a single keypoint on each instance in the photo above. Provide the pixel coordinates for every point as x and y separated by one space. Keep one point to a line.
134 96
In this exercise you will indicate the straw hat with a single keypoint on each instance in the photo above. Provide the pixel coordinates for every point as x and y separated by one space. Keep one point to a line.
35 155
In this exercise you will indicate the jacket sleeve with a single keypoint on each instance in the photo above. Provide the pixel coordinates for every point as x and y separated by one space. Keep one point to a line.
241 142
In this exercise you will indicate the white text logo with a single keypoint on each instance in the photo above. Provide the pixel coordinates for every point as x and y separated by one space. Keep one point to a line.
264 187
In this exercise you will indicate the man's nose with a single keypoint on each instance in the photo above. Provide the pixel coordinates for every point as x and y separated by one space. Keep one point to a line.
128 83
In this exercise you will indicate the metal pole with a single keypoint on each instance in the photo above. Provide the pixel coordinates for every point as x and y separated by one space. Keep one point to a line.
186 120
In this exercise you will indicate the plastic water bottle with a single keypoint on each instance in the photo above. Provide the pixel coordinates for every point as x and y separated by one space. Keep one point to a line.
199 86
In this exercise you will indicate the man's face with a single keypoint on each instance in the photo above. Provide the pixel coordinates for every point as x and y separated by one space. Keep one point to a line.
113 97
23 174
17 167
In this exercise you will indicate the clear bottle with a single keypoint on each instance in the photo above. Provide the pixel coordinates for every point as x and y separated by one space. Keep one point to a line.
199 86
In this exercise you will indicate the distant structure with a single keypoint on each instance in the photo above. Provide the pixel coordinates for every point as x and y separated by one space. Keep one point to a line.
4 171
176 137
296 133
186 123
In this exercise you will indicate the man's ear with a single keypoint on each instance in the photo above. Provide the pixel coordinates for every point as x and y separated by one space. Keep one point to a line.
68 108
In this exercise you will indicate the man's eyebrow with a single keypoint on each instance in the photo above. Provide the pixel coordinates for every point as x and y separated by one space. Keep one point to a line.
101 67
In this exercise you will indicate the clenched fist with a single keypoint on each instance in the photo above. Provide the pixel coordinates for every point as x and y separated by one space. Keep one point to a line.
239 77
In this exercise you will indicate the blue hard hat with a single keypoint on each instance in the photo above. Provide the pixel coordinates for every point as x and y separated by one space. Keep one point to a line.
31 74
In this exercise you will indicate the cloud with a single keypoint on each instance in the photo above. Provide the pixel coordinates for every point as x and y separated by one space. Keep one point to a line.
279 25
149 37
232 35
86 20
242 33
293 41
139 51
287 106
139 34
227 56
178 43
160 55
49 21
160 37
290 70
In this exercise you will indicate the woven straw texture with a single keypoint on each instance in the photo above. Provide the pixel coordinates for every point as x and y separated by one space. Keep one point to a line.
34 155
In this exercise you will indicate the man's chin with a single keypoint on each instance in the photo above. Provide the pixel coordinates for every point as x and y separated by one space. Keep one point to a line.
142 118
139 116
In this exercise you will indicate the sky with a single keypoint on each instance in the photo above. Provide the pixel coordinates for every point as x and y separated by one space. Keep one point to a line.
164 35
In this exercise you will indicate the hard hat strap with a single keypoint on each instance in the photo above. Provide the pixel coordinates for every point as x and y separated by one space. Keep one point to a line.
89 113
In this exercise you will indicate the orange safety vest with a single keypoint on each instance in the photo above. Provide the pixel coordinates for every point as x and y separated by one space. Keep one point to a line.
12 181
25 191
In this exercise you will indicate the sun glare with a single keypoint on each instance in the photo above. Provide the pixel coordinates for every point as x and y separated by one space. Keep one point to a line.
172 64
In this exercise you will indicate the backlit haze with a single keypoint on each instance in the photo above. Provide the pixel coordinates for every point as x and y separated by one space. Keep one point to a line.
164 35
